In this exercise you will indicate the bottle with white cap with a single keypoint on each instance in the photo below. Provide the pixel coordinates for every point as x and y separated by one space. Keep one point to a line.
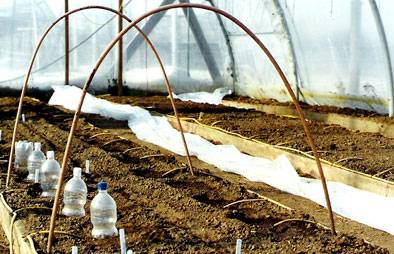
35 161
75 193
22 151
49 175
103 213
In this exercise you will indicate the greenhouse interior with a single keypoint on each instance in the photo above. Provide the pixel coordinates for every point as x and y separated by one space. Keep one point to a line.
217 126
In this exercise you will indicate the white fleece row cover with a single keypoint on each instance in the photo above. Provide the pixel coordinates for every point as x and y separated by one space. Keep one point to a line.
364 207
214 98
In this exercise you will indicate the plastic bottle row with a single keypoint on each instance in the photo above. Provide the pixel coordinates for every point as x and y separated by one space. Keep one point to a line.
46 170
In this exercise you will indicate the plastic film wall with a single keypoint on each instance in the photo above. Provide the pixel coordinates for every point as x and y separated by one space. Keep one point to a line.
190 64
339 52
333 52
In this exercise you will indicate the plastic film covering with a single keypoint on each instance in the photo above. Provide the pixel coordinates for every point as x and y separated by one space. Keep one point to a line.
256 77
339 52
332 51
90 32
193 61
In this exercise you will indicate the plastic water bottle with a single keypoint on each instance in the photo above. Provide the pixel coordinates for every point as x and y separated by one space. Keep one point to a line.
22 151
75 192
35 161
49 175
103 213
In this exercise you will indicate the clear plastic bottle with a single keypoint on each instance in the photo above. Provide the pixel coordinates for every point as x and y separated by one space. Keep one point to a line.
75 192
35 161
103 213
49 175
22 151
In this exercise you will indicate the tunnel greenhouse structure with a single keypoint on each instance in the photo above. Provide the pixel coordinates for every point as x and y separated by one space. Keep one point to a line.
215 126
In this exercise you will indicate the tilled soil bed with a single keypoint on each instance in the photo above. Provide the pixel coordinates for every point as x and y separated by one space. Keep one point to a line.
175 213
370 153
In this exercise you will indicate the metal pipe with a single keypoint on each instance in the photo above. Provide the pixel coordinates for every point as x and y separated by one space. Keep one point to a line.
25 85
386 50
259 43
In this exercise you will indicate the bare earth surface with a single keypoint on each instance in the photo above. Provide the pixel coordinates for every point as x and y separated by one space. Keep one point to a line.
176 213
370 153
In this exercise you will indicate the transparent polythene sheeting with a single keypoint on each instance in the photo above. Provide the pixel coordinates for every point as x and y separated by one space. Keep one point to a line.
365 207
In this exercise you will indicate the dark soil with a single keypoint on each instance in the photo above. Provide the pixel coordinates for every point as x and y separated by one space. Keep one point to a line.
321 109
177 213
370 153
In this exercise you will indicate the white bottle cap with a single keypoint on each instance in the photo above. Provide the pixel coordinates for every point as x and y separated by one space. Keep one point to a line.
51 155
77 172
37 146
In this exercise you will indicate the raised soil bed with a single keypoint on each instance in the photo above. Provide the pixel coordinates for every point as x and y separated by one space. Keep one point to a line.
175 213
370 153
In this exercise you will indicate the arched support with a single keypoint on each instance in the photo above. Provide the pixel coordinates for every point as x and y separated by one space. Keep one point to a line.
25 85
386 50
112 44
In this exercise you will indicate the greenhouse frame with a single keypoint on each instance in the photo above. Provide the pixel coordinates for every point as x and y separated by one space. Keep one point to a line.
217 126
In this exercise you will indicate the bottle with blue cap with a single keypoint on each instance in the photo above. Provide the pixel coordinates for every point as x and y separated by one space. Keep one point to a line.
75 193
49 175
35 161
103 213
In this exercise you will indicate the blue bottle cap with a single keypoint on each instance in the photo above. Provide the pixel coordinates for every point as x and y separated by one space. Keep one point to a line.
102 185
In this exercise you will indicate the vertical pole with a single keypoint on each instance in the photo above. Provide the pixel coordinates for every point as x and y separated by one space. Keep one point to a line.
67 45
120 51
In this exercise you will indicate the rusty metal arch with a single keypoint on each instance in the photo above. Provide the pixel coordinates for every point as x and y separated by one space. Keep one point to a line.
26 81
259 43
